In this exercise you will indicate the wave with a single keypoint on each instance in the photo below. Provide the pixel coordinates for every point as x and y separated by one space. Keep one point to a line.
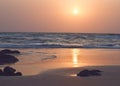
59 40
110 46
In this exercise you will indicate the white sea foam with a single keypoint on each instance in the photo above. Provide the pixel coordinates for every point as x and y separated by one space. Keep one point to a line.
59 40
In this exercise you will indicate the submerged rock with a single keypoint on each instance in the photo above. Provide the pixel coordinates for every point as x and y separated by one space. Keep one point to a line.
87 73
50 57
7 59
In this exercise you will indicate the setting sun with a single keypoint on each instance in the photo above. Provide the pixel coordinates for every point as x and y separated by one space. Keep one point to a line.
75 11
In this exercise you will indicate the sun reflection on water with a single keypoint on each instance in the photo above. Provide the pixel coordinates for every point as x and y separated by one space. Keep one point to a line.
75 53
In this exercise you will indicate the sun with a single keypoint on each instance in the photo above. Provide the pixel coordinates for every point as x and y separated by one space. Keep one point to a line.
75 11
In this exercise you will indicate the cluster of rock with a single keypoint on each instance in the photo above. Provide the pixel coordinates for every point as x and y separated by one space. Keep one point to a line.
9 71
6 56
87 73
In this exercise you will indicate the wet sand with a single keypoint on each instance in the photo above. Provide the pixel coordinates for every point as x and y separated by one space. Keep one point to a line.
60 66
65 77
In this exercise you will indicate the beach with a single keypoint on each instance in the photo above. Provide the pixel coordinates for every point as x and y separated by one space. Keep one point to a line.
60 77
59 42
59 67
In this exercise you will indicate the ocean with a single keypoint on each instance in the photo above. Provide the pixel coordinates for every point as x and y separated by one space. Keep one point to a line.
43 51
58 40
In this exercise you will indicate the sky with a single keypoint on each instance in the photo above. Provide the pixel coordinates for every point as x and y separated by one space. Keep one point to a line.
93 16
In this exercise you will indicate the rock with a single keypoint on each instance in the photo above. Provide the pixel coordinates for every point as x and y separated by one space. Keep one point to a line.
9 71
86 73
18 74
1 72
95 72
7 59
7 51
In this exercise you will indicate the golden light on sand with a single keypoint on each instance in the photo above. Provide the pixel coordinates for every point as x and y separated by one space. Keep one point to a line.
75 53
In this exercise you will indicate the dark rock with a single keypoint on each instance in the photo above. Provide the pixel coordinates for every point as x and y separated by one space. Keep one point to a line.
86 73
7 51
7 59
1 72
9 71
95 72
18 74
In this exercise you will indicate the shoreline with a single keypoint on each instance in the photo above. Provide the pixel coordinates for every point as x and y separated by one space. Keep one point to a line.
59 67
35 61
64 77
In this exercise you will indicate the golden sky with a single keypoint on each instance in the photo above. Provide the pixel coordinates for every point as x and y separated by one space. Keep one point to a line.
81 16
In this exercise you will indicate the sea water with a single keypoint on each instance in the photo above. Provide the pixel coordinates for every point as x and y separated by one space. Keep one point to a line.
58 40
43 51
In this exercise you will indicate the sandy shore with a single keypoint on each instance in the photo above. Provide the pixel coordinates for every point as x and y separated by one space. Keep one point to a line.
66 77
36 61
58 67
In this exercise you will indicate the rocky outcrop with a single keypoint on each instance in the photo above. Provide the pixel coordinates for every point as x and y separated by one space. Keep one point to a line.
7 51
9 71
86 73
7 59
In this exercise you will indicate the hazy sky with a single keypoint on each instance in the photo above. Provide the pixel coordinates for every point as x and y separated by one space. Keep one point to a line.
58 16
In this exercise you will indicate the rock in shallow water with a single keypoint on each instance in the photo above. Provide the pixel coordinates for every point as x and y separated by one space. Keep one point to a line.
7 59
6 56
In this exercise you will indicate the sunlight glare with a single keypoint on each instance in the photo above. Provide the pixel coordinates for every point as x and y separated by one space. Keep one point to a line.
75 11
75 57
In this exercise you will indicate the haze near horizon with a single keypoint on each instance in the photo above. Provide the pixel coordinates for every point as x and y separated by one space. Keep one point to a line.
81 16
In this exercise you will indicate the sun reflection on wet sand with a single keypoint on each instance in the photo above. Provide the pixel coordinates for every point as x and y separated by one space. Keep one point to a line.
75 53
